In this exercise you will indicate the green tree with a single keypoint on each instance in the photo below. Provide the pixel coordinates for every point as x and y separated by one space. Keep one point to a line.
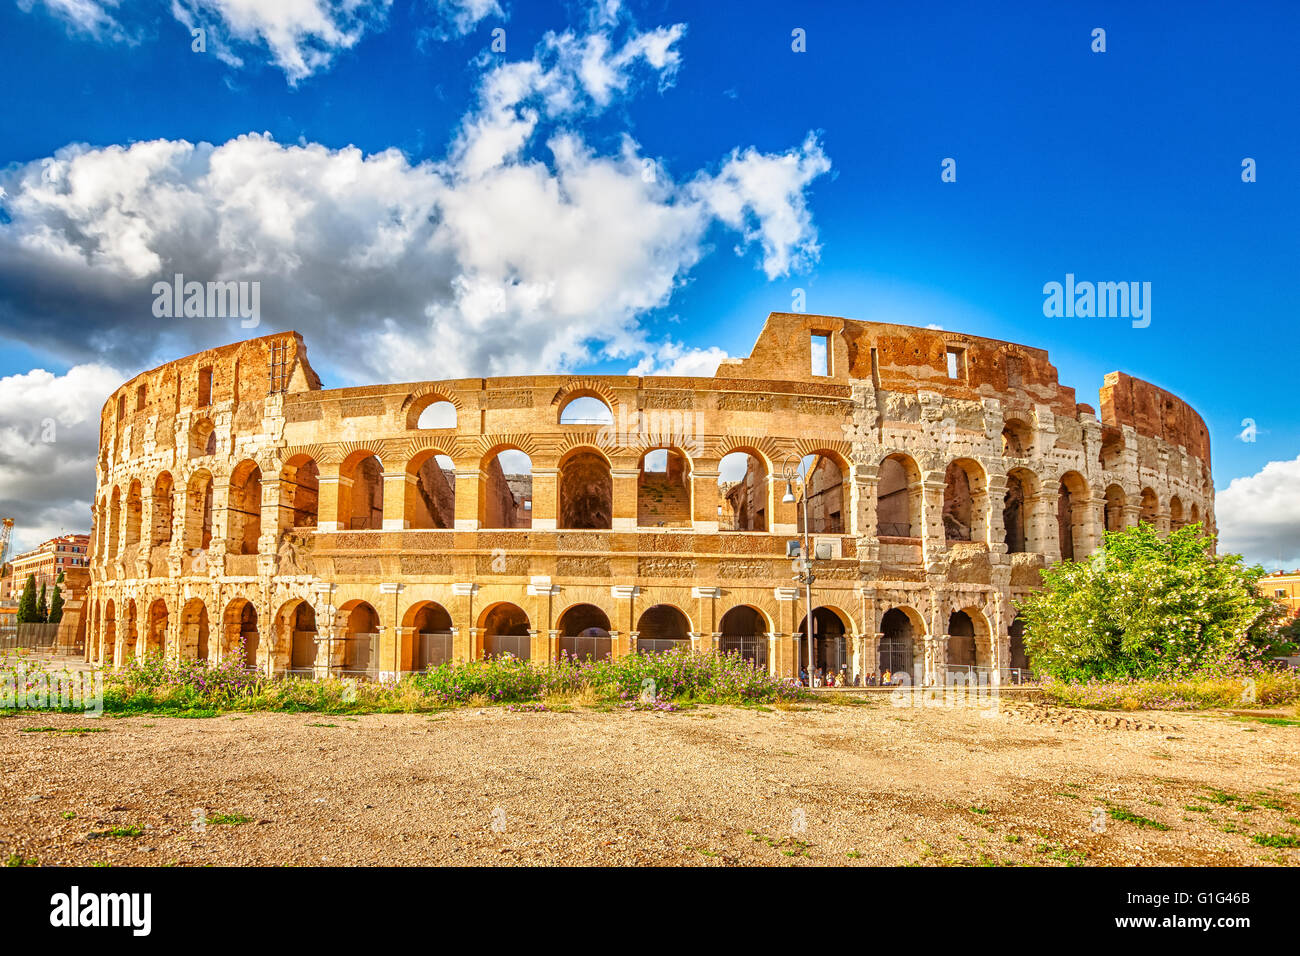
27 603
42 609
1148 605
56 606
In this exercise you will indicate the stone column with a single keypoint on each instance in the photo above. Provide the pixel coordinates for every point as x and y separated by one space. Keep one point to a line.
936 659
995 493
468 483
395 485
934 542
553 645
546 498
1046 533
624 505
704 487
331 489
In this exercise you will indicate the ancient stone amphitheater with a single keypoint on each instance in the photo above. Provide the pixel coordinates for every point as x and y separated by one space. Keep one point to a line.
244 510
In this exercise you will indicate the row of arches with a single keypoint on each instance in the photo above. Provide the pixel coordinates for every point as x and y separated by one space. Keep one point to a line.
292 642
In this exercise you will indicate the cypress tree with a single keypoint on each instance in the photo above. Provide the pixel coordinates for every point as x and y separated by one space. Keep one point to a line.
42 609
27 603
56 606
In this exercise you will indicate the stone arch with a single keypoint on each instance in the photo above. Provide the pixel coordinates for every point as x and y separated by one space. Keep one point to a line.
1149 512
202 438
584 633
108 640
361 492
244 508
902 648
430 490
421 413
1017 439
586 487
1113 509
299 493
155 642
970 639
134 514
115 522
504 629
239 626
1018 505
130 634
429 627
1194 516
198 511
744 491
1018 660
661 628
832 629
965 501
1176 513
194 636
585 407
824 476
1072 503
160 531
358 624
505 499
664 490
898 497
744 632
295 638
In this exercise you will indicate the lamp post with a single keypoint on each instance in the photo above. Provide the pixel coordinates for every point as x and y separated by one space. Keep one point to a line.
806 578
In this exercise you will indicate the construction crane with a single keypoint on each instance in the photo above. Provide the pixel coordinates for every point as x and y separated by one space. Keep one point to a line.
5 533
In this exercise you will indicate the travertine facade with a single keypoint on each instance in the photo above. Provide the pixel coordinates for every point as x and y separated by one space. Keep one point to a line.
238 500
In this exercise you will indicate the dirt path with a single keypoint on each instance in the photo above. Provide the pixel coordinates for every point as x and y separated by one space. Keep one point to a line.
831 784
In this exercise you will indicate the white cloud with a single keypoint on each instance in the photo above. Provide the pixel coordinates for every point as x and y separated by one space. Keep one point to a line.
674 358
1259 515
49 433
493 260
90 17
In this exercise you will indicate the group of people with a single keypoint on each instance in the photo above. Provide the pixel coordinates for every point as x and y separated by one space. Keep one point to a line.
828 678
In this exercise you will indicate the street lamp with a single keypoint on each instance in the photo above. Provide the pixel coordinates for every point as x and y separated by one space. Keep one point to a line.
790 475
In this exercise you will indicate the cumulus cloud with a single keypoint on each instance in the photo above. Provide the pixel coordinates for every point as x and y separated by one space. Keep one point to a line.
1259 515
49 433
674 358
524 249
85 17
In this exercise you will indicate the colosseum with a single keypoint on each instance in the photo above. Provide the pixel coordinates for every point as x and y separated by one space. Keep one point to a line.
242 509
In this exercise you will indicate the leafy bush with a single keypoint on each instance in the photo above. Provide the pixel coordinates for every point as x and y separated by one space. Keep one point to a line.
1147 606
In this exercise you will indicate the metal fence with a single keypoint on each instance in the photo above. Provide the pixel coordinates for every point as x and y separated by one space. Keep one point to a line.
32 637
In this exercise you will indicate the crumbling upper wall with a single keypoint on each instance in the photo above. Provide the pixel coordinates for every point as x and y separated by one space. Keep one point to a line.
1153 412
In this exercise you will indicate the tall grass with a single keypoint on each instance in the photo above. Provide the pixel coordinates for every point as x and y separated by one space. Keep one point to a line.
1262 689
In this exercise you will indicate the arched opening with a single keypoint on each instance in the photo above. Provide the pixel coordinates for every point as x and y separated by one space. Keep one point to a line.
506 491
160 531
505 630
300 624
108 642
130 631
584 633
1019 657
299 493
198 512
244 509
1114 508
155 644
586 491
823 485
360 639
744 633
1111 456
194 630
361 493
203 438
662 628
830 653
970 646
663 489
742 492
1175 513
1194 516
1017 439
964 502
897 655
586 410
134 515
898 498
1071 515
431 637
239 626
114 522
1016 505
431 491
1149 508
439 414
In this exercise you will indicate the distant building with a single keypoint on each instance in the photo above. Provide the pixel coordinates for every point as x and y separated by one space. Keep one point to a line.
46 562
1283 586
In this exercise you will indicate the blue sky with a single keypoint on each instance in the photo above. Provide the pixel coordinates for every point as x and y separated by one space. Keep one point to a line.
1122 165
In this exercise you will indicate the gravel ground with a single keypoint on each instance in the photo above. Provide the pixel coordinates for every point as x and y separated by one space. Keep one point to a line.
827 784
